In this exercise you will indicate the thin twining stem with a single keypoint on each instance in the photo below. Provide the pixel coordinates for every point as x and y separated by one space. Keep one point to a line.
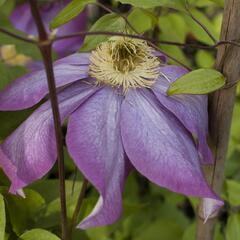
149 40
78 206
45 47
77 34
16 36
199 23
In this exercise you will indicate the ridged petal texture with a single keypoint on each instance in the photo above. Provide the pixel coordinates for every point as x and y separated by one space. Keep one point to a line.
94 142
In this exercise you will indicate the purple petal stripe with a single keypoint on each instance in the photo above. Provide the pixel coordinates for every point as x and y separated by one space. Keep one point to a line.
94 142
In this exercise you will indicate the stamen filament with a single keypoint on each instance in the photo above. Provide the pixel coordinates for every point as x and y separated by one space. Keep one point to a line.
124 62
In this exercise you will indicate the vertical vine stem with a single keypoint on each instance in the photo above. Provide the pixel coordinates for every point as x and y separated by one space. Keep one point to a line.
78 206
221 105
45 46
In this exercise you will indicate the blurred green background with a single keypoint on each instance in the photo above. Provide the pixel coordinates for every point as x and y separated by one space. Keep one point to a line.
150 212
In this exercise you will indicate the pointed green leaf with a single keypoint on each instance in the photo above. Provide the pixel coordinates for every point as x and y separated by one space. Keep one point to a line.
109 23
201 81
2 218
39 234
177 4
72 10
233 227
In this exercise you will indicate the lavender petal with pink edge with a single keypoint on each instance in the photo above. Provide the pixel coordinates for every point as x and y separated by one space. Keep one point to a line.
191 110
28 90
22 19
159 146
94 142
30 151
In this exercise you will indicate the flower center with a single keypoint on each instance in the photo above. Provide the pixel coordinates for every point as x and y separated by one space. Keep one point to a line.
124 62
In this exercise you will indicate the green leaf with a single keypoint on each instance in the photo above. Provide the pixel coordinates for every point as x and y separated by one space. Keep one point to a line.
50 213
233 190
2 2
162 228
6 7
141 20
177 4
23 211
173 27
109 23
219 2
72 10
233 227
204 59
49 188
196 30
201 81
232 166
39 234
2 218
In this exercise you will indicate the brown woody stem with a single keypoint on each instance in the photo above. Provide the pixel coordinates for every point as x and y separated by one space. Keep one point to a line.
45 47
221 105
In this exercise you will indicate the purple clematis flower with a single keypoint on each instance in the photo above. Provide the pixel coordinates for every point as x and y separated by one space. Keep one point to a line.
119 118
22 19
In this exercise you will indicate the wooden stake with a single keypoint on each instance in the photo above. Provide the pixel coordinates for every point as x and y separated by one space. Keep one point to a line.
221 105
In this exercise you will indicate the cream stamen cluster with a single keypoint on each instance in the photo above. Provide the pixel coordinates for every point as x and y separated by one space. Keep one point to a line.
124 62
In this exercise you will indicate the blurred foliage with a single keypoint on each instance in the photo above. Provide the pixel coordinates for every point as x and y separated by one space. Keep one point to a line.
150 213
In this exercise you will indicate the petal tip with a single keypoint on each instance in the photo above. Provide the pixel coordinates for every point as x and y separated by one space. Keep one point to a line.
210 208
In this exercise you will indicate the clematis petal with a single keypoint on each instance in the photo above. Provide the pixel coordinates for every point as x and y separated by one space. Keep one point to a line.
94 142
75 59
30 151
163 58
191 110
159 146
26 24
28 90
209 208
